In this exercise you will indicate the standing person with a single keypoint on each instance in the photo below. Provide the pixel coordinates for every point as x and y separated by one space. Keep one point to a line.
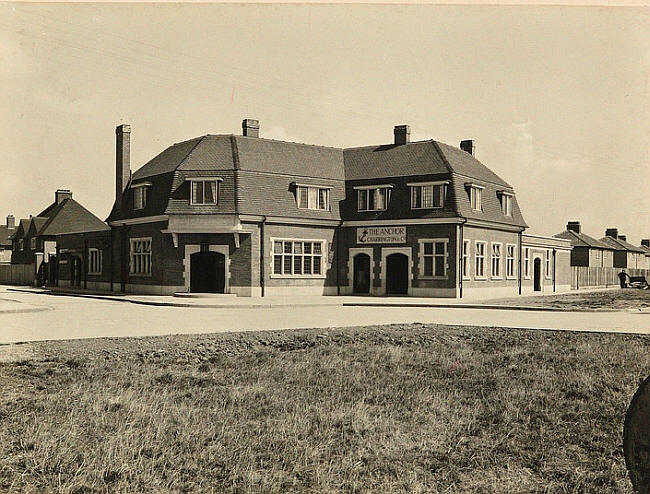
623 276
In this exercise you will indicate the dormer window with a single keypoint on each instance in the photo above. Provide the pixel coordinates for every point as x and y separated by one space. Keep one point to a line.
373 197
313 197
475 196
506 202
428 195
204 191
140 193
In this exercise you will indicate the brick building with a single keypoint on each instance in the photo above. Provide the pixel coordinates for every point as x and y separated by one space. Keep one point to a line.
6 231
626 255
253 216
585 250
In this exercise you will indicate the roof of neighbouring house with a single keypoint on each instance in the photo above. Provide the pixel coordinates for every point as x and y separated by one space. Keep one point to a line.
618 244
5 235
69 217
582 240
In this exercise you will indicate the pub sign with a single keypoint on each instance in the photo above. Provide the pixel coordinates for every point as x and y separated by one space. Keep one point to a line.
381 235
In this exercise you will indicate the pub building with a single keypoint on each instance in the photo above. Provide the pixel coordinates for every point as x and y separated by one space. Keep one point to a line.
244 215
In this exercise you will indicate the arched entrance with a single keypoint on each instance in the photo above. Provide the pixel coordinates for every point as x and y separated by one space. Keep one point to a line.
207 272
361 276
537 275
397 274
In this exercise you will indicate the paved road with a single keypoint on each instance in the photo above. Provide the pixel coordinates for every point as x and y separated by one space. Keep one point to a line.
71 317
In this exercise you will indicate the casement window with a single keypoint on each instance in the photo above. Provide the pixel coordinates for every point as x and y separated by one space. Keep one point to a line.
479 260
506 203
547 271
298 258
466 247
205 191
510 261
475 196
526 262
433 258
496 260
313 197
373 198
140 194
428 195
21 244
140 256
94 261
32 243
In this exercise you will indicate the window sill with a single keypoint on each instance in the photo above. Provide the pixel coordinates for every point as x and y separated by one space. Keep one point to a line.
467 278
432 207
140 275
298 276
496 277
511 277
369 210
94 273
433 277
204 203
480 278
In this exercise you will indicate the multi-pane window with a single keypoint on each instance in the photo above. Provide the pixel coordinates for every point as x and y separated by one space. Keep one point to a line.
32 243
506 204
526 262
480 259
140 256
204 192
434 258
496 260
510 261
140 194
374 199
94 261
427 196
298 257
313 197
466 244
475 197
548 264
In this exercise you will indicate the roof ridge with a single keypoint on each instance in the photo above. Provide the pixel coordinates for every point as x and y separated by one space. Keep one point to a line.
389 144
279 140
200 140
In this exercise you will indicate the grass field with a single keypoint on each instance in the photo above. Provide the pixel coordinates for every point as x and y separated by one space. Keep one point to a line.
412 408
629 298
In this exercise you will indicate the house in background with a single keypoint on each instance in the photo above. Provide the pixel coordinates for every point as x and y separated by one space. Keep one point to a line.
6 231
626 255
585 250
645 246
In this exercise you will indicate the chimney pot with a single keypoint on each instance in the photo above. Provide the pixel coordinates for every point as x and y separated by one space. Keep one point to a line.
402 134
611 232
61 195
573 226
250 127
468 146
11 222
122 161
645 242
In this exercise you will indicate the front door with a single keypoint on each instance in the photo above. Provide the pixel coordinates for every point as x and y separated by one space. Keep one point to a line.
53 271
397 274
75 271
361 282
208 272
537 275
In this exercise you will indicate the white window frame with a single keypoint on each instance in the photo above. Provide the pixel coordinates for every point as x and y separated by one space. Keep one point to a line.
374 190
32 243
445 255
21 244
94 261
136 264
313 197
499 274
421 185
475 196
140 195
547 264
511 262
465 266
292 255
481 275
506 203
204 180
527 263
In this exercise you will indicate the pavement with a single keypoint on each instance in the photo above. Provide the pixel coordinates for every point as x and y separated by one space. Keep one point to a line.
47 317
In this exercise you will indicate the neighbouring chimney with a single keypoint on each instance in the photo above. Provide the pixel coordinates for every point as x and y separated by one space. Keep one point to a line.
61 195
645 242
468 146
611 232
623 238
573 226
11 222
250 127
402 134
122 161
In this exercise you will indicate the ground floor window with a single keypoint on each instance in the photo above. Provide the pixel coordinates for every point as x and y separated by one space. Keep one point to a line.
548 264
140 256
510 260
298 257
480 259
433 258
496 260
94 261
466 244
526 262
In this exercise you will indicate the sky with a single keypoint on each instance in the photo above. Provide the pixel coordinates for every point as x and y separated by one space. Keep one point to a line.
556 98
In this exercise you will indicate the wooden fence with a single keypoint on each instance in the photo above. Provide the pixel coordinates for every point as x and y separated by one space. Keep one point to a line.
16 274
589 277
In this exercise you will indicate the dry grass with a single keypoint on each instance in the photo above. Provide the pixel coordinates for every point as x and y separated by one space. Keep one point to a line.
629 298
362 410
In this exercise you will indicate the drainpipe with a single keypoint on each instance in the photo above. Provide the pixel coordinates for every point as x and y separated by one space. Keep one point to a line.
84 256
554 267
262 255
521 249
460 249
337 253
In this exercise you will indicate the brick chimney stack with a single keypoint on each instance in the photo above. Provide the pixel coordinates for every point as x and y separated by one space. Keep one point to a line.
468 146
402 134
61 195
623 238
122 161
573 226
611 232
11 222
250 127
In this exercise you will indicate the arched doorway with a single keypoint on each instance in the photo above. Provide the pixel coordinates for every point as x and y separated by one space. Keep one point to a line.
397 274
208 272
537 275
361 275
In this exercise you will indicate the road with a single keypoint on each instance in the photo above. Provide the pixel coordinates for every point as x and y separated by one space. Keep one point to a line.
72 317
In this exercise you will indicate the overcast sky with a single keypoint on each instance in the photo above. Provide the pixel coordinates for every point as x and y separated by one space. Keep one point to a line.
556 98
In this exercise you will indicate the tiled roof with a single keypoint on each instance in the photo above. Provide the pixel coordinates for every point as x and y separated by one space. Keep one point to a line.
21 229
463 163
645 249
618 244
168 160
5 234
582 240
69 217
